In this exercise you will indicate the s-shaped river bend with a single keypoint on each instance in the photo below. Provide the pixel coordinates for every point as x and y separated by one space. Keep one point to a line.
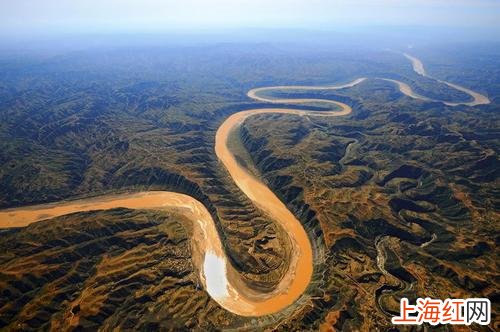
223 283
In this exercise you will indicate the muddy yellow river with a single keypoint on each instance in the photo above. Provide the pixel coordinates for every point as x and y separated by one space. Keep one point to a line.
224 284
418 67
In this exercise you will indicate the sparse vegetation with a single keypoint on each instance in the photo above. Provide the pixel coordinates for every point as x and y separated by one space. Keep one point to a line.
416 181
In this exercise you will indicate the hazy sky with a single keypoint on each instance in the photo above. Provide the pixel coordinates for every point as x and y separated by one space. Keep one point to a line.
37 16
